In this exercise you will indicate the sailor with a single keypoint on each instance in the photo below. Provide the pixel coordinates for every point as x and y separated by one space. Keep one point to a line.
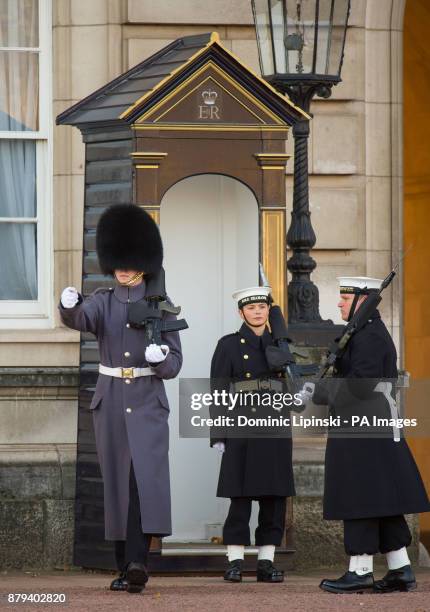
129 407
371 481
252 468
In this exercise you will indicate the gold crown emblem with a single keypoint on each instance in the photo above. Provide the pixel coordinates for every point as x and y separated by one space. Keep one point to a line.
209 96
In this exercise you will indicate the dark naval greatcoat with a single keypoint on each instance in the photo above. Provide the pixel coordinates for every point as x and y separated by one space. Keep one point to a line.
251 467
130 416
367 475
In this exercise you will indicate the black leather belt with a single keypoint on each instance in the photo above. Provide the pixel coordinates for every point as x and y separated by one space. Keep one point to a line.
258 384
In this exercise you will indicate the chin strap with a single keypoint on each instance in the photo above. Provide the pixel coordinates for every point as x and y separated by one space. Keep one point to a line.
133 279
250 324
353 306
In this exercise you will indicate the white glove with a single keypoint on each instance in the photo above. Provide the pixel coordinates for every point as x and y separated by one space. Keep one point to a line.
306 394
69 297
155 353
220 446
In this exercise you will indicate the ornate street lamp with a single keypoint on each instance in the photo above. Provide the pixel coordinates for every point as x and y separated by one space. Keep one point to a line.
300 47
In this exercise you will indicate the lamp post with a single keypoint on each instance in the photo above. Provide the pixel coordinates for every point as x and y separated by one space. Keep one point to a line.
300 46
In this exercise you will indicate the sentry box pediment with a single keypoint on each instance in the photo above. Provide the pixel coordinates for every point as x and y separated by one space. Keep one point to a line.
209 97
212 90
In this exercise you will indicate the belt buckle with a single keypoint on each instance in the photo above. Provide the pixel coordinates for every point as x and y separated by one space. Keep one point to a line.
127 373
264 383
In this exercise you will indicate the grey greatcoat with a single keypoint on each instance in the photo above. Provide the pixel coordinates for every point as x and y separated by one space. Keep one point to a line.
130 419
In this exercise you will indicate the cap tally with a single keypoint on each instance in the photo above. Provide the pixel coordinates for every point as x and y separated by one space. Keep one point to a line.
358 284
252 295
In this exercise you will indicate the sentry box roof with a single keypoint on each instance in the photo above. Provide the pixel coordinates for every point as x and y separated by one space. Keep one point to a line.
134 93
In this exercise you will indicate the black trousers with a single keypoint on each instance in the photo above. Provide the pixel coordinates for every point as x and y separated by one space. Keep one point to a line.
372 535
136 546
271 521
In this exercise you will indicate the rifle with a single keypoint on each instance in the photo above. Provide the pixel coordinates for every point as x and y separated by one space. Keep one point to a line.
147 314
279 357
358 321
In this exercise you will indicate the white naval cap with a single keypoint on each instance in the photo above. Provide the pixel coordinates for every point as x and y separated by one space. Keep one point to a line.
358 284
252 295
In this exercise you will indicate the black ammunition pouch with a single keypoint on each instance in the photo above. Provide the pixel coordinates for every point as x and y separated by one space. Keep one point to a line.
139 313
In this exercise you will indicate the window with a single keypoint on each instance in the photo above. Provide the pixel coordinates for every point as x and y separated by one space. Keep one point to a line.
25 163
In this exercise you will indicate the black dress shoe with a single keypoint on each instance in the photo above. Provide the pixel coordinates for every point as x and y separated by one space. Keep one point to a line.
267 572
350 582
136 576
119 584
402 579
234 571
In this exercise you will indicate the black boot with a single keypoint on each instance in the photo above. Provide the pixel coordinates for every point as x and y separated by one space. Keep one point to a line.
402 579
350 582
234 571
119 584
267 572
137 577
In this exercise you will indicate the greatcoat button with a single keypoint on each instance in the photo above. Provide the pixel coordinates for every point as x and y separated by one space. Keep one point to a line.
246 356
242 341
127 381
248 375
126 354
128 410
128 325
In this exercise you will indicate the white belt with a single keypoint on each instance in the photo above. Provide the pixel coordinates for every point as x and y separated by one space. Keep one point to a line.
125 372
385 388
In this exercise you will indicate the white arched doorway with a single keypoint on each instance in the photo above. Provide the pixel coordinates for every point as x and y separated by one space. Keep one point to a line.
209 225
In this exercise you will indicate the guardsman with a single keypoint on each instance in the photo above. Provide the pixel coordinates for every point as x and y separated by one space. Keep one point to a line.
253 468
130 408
371 481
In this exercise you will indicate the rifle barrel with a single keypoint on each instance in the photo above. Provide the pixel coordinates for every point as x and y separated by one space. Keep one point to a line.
387 280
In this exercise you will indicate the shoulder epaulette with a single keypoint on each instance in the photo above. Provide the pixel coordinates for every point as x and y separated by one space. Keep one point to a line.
233 335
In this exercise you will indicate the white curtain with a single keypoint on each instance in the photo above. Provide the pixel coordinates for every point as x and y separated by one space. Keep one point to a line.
19 89
19 94
18 242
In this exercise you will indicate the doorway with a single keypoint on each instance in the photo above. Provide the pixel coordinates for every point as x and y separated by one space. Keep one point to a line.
210 229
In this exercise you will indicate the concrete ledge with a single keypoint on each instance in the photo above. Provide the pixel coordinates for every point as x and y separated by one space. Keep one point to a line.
39 377
36 454
37 482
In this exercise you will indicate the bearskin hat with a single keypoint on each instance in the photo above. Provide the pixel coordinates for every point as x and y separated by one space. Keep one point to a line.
128 239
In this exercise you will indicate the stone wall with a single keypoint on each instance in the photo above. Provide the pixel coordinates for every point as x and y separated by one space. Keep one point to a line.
37 467
37 500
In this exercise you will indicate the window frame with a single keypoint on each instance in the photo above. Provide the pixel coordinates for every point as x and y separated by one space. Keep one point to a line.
38 314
